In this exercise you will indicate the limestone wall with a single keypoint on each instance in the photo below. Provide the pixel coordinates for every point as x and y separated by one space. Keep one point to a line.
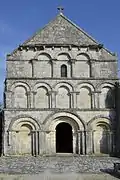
80 62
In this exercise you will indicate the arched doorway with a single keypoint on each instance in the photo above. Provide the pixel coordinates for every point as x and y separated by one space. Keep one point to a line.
64 138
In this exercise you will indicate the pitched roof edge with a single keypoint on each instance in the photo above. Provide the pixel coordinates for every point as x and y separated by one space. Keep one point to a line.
78 28
26 41
39 30
61 14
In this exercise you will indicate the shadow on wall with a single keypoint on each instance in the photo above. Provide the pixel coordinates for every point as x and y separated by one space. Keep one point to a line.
112 101
104 146
110 98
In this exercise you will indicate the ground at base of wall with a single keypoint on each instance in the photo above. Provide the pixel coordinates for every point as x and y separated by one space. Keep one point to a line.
60 164
48 176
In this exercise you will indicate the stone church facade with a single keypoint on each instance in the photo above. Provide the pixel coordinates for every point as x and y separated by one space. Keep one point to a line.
59 94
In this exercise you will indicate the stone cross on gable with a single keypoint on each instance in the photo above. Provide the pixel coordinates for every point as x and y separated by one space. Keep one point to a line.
60 9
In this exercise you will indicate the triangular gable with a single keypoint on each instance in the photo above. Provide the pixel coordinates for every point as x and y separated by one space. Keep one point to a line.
61 31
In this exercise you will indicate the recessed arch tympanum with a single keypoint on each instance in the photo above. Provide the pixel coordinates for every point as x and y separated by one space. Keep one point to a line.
21 135
84 96
41 95
101 135
63 56
83 57
63 99
107 97
20 93
44 56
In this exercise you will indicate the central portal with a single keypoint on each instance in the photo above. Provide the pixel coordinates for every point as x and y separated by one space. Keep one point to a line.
64 143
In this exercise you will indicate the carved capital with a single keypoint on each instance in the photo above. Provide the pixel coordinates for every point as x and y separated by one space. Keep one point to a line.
52 92
52 61
72 61
8 92
75 92
96 92
33 60
34 92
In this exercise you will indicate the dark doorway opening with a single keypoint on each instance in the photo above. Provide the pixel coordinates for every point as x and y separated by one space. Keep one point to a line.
64 142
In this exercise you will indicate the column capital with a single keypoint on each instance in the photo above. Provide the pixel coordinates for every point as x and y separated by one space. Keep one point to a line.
74 92
8 92
34 92
52 61
72 61
33 60
96 92
52 92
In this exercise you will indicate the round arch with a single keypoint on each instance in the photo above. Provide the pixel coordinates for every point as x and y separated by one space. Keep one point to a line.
20 120
68 119
43 56
23 84
63 56
85 56
106 84
99 120
84 84
58 85
54 119
101 135
41 84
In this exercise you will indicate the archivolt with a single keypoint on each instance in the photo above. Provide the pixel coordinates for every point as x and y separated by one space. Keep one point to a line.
105 84
48 56
51 121
19 83
100 120
63 84
84 84
84 55
24 119
41 84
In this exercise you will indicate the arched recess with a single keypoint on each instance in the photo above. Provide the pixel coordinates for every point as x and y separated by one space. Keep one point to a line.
101 138
63 96
63 56
83 56
22 137
53 119
20 95
44 56
68 85
41 97
43 66
20 83
74 121
107 96
82 65
84 96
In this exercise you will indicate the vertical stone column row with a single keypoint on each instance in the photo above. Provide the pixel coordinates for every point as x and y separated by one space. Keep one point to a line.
96 99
